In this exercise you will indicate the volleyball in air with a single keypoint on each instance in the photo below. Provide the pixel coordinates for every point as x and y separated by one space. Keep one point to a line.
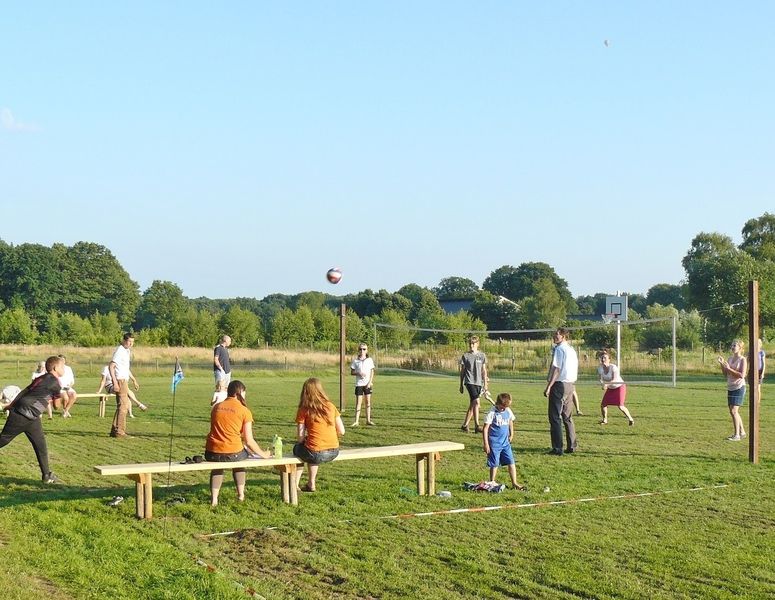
334 275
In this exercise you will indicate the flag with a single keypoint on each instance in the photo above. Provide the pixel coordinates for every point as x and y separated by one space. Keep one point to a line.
177 375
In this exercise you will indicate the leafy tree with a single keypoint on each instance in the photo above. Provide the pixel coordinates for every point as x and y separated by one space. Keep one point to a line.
395 336
194 328
68 328
16 327
96 281
313 300
425 306
456 288
495 313
759 237
326 326
107 328
243 326
369 303
305 325
461 321
519 283
162 304
357 329
283 329
592 305
637 302
545 308
666 294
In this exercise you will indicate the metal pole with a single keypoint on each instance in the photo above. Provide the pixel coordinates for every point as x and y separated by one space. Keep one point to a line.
619 343
753 371
342 339
675 318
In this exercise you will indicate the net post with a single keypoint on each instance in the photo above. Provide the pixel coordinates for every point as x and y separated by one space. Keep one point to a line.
675 358
753 371
342 339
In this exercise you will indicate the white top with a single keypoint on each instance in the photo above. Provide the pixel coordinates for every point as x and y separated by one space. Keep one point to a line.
567 361
121 357
613 378
218 397
106 374
363 369
35 375
68 378
10 392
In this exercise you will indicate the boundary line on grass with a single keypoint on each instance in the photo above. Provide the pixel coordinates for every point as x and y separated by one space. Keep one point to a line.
455 511
478 509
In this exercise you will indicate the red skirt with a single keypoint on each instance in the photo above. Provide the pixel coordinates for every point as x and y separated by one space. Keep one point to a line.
615 397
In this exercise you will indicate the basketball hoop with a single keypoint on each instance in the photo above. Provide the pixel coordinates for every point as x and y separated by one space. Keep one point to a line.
608 317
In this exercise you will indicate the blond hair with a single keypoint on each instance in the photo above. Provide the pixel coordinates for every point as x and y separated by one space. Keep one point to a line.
313 399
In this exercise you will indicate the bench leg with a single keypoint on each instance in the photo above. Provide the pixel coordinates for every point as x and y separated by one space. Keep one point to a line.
143 495
288 489
421 460
102 407
430 472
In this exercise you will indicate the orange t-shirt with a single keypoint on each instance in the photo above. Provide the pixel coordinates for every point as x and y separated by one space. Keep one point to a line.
226 422
320 434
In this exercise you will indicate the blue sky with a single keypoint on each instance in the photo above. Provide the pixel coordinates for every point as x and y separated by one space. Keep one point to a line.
242 149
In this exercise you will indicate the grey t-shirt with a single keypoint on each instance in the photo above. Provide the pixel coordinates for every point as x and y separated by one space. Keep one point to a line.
473 367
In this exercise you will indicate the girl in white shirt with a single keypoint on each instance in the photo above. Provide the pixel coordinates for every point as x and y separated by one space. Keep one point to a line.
615 389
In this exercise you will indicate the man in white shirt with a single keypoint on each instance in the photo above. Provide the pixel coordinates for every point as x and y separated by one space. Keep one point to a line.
559 390
120 374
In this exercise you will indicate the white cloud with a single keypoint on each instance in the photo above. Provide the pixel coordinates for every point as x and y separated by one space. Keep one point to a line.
10 123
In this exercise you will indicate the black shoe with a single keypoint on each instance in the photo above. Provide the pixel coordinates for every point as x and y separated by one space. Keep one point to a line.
555 452
464 429
477 430
50 477
570 450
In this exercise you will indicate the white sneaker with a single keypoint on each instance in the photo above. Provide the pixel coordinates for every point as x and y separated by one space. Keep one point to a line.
734 438
742 435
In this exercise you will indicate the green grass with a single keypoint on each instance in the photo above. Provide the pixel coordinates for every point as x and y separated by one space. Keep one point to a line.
63 541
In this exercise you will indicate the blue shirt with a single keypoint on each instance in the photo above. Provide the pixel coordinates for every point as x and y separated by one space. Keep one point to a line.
498 434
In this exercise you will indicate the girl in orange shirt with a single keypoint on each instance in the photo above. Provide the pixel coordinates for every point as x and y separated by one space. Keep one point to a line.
318 424
230 439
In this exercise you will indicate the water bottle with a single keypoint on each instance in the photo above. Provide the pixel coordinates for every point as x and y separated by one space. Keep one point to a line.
278 446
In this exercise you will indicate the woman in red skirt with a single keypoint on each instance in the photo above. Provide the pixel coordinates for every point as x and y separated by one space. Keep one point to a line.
614 386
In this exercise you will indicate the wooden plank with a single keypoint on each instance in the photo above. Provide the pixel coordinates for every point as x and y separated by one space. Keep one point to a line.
344 454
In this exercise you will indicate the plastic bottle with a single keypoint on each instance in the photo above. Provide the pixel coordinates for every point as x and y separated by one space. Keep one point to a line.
278 446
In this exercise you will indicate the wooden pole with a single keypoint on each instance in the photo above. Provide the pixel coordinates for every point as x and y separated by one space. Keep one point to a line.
753 371
342 339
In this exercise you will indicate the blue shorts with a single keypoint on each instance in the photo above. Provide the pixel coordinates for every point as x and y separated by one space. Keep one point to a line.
736 397
500 457
306 455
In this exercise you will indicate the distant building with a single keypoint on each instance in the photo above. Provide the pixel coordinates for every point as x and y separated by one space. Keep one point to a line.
452 307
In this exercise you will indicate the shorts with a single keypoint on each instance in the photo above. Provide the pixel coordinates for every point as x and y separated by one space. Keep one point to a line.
474 391
306 455
221 376
363 390
736 397
500 457
226 457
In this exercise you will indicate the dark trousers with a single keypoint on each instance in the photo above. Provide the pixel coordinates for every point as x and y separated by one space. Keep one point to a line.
32 428
560 414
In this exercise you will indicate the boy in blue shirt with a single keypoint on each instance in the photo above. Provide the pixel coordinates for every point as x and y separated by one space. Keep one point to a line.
497 435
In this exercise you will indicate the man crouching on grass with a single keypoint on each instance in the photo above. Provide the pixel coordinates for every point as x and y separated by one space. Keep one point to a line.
25 411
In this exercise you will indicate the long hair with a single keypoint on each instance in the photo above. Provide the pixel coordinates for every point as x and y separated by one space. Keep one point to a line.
313 399
237 390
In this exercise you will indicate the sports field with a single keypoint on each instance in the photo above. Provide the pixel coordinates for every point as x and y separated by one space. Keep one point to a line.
707 532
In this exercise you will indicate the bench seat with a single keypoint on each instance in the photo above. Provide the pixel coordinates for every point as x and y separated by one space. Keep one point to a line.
426 454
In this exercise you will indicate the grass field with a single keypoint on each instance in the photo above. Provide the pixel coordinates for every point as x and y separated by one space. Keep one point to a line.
63 541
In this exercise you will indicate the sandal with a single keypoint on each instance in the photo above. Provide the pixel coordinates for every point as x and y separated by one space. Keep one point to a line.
306 488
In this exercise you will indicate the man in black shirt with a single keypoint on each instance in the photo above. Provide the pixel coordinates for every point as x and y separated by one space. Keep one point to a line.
222 362
25 411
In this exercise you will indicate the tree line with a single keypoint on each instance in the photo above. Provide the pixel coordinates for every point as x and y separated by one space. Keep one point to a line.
81 295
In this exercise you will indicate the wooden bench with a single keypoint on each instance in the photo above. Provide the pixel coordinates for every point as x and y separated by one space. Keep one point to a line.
426 454
102 396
